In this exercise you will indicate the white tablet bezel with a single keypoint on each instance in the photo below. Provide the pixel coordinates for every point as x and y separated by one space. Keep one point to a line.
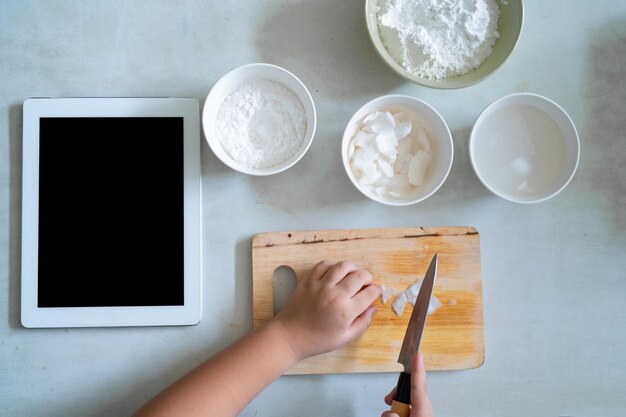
188 314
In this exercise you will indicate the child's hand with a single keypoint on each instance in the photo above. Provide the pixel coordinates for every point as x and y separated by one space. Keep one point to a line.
329 308
420 401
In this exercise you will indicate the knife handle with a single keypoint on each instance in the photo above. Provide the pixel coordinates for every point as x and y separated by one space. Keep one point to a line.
401 404
400 409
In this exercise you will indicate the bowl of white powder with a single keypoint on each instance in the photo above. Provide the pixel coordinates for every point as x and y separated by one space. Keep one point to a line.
259 119
444 44
524 148
397 150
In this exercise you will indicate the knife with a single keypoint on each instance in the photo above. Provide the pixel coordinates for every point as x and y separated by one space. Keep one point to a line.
412 338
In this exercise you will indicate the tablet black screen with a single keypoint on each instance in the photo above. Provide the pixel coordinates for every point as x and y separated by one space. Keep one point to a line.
111 212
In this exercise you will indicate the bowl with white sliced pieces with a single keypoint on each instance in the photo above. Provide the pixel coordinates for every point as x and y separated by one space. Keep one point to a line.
397 150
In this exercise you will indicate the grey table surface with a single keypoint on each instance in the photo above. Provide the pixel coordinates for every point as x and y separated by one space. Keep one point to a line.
554 273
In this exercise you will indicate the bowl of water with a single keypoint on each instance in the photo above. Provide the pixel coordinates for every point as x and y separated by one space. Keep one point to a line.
524 148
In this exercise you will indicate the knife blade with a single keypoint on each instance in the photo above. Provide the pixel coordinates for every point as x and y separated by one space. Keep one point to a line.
412 339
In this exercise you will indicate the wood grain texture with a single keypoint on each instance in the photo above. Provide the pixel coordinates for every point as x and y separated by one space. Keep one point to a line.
454 336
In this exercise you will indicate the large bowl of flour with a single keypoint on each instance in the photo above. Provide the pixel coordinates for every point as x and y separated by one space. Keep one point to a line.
259 119
446 45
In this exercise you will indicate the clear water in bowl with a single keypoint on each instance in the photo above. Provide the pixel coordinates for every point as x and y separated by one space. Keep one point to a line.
520 151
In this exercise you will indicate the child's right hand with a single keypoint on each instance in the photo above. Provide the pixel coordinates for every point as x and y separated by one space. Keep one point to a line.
329 308
420 401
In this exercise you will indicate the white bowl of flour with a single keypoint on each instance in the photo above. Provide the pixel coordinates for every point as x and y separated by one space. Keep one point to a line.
259 119
451 44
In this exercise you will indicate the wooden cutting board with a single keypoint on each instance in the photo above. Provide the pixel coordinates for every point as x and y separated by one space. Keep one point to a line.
453 338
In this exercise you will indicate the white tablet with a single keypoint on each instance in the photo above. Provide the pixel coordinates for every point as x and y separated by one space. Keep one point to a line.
111 212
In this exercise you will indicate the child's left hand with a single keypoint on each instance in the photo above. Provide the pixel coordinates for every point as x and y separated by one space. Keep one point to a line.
329 308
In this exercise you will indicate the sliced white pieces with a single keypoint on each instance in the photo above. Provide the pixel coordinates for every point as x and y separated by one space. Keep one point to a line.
387 292
388 157
412 291
433 305
408 295
418 167
399 303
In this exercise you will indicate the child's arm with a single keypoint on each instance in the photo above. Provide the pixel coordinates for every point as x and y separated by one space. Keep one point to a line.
329 308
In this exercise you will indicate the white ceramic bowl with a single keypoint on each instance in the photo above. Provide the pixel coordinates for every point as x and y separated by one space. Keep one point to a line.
510 22
228 84
524 148
423 115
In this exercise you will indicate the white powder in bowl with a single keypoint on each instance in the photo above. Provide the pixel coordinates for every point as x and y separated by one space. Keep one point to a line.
439 38
261 124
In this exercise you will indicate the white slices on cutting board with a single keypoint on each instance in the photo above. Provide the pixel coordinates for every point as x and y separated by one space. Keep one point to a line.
408 295
389 156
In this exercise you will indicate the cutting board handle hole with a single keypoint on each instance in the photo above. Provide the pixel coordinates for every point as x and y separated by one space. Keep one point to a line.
283 284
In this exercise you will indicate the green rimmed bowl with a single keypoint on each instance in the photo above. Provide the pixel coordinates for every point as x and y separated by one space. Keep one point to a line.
510 25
